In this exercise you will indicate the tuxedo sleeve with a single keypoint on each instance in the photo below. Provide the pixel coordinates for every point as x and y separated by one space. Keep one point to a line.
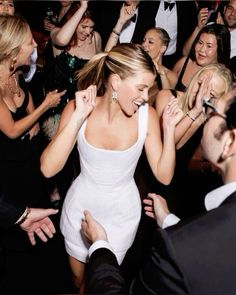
9 212
104 275
161 273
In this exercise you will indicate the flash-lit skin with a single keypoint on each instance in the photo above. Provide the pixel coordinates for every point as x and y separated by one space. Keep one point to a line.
132 95
230 15
206 50
152 44
134 3
217 86
7 7
212 144
85 29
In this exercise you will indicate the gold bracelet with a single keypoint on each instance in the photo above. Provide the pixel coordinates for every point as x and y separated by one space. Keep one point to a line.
24 216
190 116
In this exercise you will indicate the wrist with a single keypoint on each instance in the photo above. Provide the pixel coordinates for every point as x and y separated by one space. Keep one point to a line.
114 31
24 216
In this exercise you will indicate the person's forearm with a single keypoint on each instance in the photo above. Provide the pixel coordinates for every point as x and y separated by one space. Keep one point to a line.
188 44
166 164
186 122
57 152
63 35
22 125
114 36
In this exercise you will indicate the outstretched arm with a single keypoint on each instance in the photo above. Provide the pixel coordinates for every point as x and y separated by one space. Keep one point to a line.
103 272
203 16
126 13
14 129
62 36
160 150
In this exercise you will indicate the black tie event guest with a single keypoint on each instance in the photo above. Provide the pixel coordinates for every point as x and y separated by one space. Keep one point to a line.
178 18
134 29
195 256
21 181
35 221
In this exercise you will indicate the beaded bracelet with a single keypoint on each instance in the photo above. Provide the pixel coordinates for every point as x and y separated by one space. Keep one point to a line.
190 116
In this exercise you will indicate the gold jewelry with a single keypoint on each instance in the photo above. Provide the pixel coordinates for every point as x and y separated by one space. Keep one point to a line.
12 66
24 216
15 89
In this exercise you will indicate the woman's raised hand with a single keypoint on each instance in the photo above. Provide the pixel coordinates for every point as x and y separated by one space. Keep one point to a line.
172 113
203 92
85 100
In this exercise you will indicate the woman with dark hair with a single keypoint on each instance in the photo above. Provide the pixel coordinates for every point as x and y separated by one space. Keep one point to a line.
211 45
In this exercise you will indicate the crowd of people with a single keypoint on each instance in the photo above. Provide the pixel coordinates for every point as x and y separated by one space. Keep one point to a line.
108 117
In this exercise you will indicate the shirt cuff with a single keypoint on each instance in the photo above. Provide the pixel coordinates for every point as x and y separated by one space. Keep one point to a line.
170 220
99 244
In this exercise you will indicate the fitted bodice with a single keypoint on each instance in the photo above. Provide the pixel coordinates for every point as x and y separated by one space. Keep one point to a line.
111 167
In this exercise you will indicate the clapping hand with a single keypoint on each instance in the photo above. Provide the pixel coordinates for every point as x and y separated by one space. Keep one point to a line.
172 113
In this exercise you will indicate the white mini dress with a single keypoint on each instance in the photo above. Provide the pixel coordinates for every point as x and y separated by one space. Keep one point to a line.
105 187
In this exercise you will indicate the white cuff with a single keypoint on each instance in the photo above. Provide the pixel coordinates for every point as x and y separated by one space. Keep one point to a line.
170 220
99 244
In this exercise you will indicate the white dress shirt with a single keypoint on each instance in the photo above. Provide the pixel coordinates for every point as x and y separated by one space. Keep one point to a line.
167 20
128 30
33 66
233 43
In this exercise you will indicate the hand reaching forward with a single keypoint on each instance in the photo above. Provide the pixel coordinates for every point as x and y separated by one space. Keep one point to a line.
53 98
85 101
92 229
156 207
40 224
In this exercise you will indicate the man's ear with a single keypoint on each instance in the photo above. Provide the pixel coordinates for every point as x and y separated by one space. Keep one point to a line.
230 145
115 80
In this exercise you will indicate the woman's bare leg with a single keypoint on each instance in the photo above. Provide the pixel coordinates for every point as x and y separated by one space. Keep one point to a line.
77 268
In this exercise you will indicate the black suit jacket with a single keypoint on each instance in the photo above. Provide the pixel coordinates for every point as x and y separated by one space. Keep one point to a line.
9 212
196 257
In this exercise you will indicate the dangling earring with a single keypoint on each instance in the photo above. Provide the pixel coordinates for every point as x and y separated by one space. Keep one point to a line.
114 96
12 66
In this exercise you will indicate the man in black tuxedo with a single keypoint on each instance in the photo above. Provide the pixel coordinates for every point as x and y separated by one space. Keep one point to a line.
178 18
138 25
192 257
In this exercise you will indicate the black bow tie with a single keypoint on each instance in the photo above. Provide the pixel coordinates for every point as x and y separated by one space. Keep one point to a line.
133 18
168 4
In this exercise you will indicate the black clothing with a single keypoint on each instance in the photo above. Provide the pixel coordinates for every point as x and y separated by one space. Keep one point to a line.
192 257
